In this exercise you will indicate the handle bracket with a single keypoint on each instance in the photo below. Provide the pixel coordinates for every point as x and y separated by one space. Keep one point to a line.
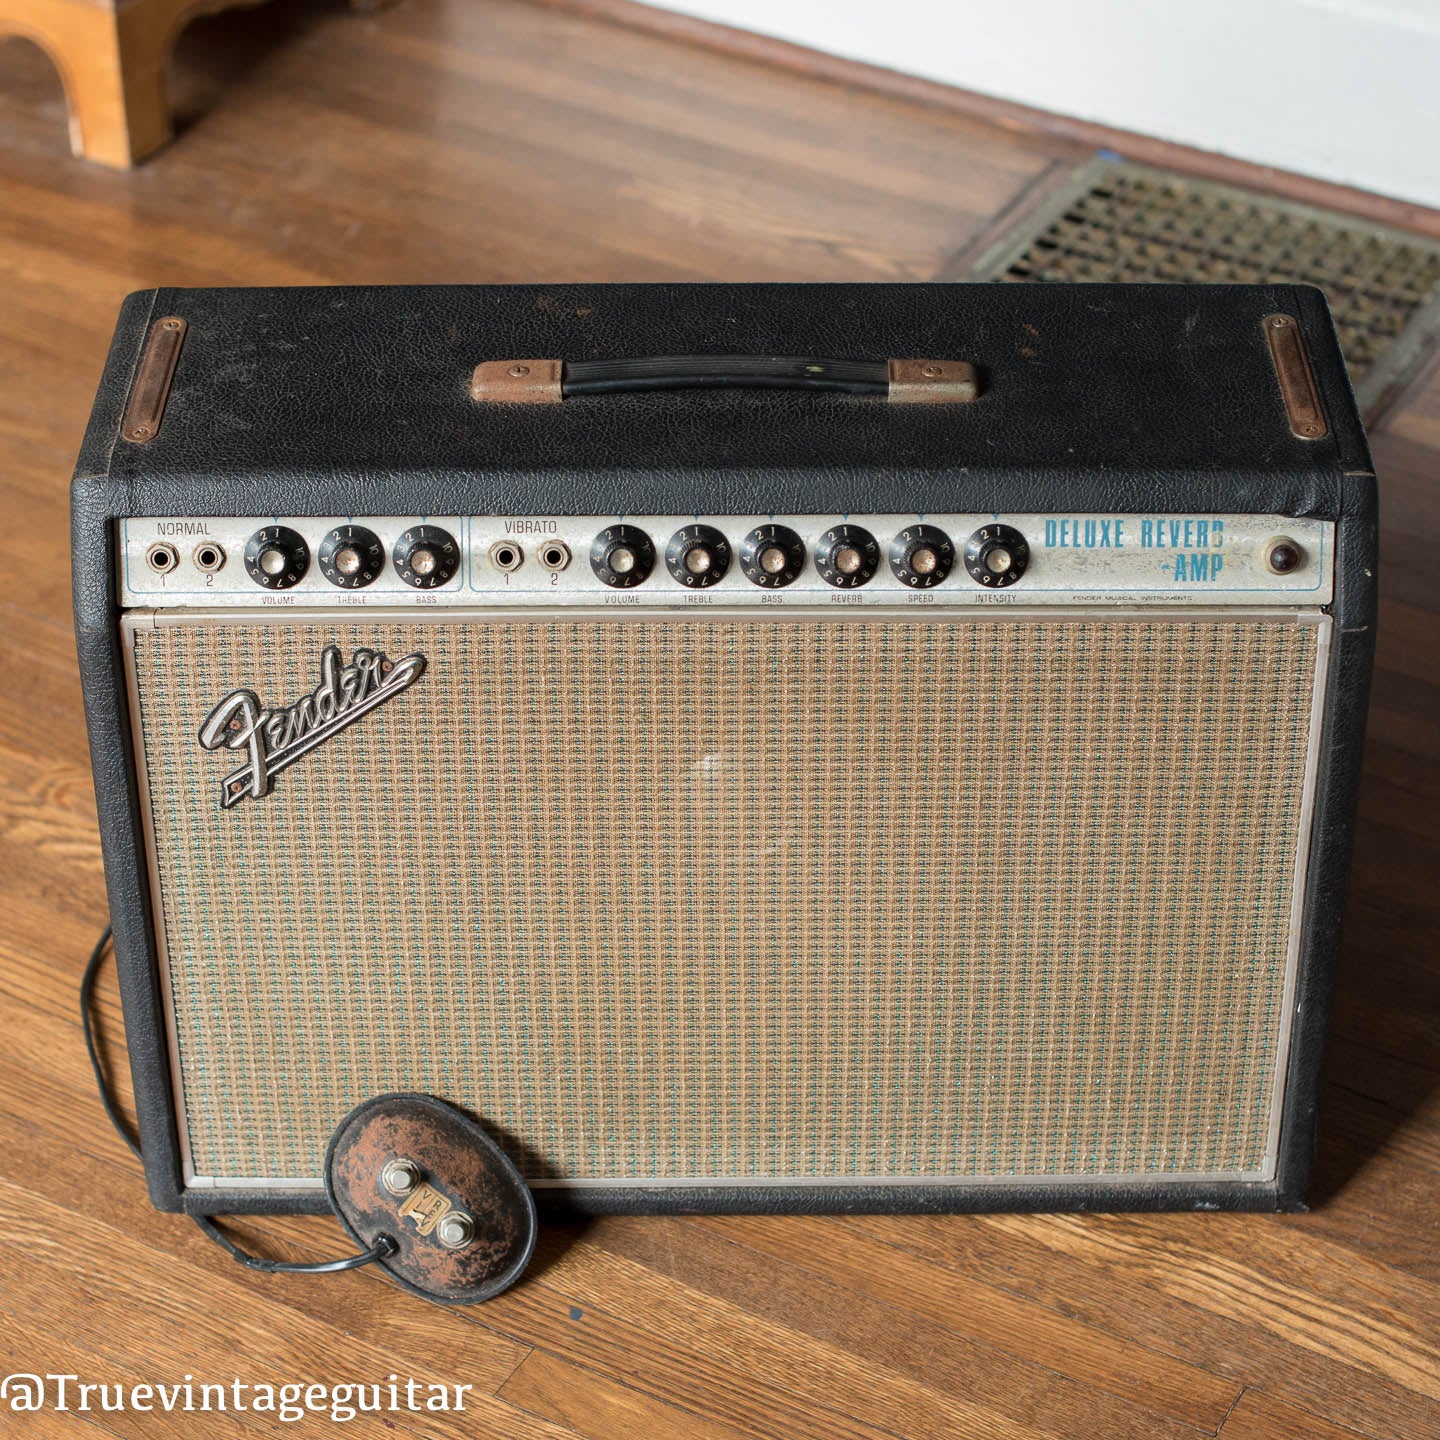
932 382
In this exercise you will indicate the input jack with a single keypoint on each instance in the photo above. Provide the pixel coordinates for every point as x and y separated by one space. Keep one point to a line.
208 557
162 558
555 555
506 556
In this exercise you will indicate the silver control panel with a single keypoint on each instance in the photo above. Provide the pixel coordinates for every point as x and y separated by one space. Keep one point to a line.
680 561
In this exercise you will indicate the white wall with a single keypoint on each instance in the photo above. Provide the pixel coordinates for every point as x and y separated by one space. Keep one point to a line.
1347 90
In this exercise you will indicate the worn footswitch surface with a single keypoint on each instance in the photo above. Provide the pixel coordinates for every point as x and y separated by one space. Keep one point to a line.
425 1175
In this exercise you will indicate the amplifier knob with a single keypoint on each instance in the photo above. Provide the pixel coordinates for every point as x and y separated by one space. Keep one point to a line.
921 556
277 557
996 556
772 556
697 556
351 557
847 557
426 557
622 556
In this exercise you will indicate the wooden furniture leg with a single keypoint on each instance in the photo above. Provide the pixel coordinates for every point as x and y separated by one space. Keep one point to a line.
112 56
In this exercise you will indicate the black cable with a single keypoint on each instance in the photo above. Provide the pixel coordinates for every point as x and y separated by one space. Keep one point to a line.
383 1246
87 1003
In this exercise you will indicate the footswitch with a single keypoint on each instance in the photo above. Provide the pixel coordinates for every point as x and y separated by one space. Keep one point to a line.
423 1173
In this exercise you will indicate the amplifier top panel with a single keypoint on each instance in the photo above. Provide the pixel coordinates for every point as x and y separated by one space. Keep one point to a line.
724 400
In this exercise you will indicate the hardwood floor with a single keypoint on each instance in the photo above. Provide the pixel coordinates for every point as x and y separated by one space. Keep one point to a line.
474 140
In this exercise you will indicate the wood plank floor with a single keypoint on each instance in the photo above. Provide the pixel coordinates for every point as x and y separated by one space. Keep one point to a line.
474 140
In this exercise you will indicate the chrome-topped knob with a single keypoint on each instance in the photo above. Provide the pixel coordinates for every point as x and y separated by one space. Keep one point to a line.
622 556
277 557
772 556
427 557
996 556
921 556
351 557
697 556
847 556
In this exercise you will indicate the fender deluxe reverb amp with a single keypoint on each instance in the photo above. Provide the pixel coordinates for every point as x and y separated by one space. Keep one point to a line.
801 747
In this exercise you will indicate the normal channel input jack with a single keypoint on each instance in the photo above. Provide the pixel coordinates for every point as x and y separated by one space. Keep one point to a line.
208 557
162 558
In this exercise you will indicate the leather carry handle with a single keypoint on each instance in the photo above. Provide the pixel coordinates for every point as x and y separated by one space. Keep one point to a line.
531 382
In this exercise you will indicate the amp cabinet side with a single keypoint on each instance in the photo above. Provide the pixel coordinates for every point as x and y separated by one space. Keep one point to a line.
95 499
1336 791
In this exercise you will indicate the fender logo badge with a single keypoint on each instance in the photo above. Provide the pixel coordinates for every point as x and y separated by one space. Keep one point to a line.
275 739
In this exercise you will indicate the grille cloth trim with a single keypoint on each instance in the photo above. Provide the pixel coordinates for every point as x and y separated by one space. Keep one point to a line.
898 899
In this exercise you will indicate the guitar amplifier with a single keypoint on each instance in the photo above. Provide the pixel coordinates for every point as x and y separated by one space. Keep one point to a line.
797 747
